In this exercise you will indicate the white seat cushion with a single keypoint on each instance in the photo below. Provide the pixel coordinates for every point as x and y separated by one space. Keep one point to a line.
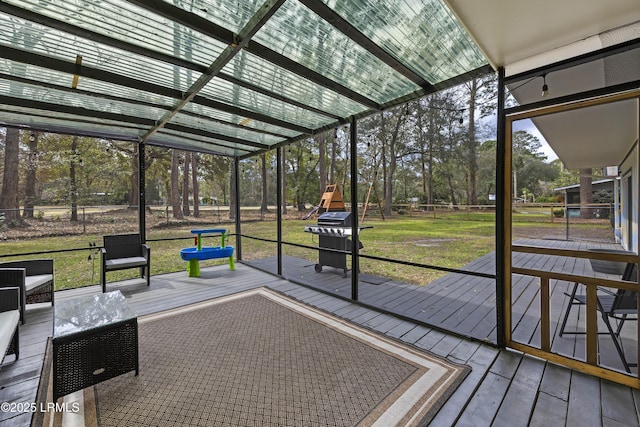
121 263
8 322
32 282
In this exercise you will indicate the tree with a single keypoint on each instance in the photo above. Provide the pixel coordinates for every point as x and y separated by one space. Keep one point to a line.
586 192
9 194
27 36
528 164
196 186
265 183
283 164
322 160
73 185
233 199
185 185
175 190
391 140
482 94
31 174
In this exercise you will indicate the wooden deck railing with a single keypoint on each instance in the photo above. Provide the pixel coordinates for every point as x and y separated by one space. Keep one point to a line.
590 365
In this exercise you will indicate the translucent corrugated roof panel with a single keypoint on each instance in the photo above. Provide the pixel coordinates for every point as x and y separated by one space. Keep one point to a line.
60 45
209 145
303 36
78 99
126 22
228 93
48 79
422 33
229 14
70 123
201 122
257 71
172 72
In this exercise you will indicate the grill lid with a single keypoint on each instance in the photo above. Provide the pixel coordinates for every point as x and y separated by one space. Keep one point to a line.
335 218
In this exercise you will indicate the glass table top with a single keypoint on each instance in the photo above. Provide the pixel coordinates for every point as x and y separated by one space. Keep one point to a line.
89 312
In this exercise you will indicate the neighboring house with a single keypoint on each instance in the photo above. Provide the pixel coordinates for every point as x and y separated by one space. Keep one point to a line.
572 192
572 197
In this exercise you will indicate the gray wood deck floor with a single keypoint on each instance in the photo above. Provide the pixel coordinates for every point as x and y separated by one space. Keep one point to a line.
504 387
465 305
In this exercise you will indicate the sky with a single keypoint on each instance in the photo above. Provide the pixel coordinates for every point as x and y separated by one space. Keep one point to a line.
528 126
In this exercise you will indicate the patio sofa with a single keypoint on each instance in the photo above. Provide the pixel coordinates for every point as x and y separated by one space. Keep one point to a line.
9 322
124 251
34 278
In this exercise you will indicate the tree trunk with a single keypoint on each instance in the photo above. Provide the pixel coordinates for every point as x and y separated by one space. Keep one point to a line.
232 191
175 190
196 185
284 180
586 193
185 185
9 194
322 157
472 145
134 179
265 184
334 150
388 196
452 192
30 178
73 184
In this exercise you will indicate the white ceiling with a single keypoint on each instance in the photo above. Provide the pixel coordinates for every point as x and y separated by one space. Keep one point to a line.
592 137
525 35
514 30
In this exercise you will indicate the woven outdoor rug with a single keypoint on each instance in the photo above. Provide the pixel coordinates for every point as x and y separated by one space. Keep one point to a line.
261 358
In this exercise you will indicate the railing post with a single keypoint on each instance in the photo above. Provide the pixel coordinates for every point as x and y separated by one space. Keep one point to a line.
84 223
355 239
503 220
545 323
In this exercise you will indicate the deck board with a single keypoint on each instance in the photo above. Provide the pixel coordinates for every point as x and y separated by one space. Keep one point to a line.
465 304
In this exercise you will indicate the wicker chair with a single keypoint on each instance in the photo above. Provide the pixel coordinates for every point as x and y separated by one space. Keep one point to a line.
124 251
34 278
9 322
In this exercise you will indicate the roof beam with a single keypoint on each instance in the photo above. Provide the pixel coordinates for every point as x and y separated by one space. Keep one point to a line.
196 146
68 89
106 76
207 134
85 112
338 22
250 29
204 26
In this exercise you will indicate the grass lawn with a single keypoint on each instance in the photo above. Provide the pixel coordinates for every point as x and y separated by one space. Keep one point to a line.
446 241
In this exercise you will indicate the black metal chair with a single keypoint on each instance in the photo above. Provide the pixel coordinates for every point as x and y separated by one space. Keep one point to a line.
123 251
619 305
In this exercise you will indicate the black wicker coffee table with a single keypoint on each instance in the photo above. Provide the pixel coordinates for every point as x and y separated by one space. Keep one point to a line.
95 338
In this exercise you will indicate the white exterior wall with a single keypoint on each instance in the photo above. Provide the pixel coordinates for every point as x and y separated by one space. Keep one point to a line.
629 229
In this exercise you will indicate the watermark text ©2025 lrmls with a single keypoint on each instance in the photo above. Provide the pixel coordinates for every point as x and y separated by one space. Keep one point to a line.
22 407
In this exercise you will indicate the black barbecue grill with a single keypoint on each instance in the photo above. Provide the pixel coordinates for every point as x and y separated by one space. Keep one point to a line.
333 230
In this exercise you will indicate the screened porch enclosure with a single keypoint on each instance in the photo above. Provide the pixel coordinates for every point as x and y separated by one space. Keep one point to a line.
241 79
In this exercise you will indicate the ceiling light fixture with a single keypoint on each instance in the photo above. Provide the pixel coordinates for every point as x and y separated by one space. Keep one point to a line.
545 88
